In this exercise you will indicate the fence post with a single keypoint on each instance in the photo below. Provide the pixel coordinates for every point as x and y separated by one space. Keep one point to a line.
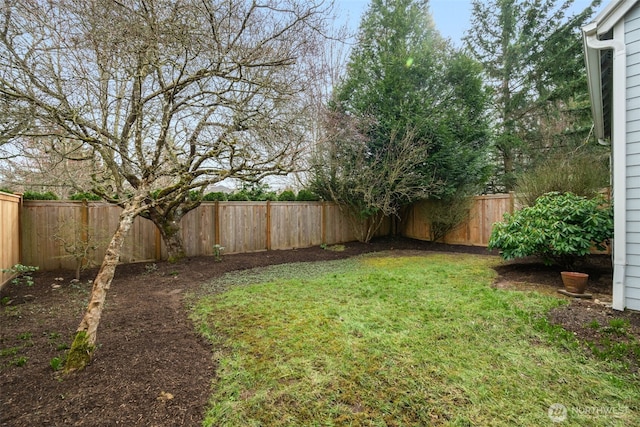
84 221
84 225
323 223
268 225
216 222
20 228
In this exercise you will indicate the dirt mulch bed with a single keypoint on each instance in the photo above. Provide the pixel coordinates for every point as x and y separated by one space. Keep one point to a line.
151 366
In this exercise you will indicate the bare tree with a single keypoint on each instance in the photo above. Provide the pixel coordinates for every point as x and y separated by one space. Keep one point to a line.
37 166
170 96
368 186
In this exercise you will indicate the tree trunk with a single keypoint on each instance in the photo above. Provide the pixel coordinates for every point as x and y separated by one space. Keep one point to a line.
168 224
170 232
83 345
509 171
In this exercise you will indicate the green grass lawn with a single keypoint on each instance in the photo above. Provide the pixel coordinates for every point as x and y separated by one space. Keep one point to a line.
389 341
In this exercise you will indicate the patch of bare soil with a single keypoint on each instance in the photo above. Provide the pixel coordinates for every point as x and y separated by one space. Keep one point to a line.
151 368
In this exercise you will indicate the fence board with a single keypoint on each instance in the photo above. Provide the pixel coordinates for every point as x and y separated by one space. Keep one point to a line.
338 228
243 227
295 225
198 230
9 233
47 222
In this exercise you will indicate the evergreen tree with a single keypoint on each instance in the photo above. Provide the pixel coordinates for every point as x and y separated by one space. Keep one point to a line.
532 57
406 78
409 102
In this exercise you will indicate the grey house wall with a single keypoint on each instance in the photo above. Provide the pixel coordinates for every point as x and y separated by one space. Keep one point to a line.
632 41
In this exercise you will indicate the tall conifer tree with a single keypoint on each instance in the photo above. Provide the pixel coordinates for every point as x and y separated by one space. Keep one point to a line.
406 77
531 51
410 102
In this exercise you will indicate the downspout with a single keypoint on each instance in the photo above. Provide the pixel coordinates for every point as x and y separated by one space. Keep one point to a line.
619 151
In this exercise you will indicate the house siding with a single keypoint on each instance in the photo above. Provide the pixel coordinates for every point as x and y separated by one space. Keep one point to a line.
632 272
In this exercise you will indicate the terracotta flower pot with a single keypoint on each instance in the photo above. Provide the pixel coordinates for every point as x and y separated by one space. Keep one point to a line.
574 282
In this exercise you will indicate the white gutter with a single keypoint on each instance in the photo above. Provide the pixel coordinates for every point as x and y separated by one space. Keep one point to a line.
619 148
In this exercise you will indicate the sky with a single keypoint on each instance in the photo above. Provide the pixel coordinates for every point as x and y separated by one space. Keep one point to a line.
452 17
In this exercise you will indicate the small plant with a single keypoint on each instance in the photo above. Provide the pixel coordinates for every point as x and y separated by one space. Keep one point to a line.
78 242
611 348
55 341
217 252
559 228
19 361
23 274
11 351
56 363
150 268
25 336
617 327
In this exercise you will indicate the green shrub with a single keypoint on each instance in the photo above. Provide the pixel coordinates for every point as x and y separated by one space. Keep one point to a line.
215 196
307 196
287 196
23 274
84 196
271 196
240 196
34 195
558 228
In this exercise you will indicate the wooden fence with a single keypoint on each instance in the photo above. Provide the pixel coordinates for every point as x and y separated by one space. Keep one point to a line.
237 226
9 233
485 211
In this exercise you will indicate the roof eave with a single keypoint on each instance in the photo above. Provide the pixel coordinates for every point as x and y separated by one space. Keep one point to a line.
592 34
610 15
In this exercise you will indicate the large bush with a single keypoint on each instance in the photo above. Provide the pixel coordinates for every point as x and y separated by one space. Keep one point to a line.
559 228
584 173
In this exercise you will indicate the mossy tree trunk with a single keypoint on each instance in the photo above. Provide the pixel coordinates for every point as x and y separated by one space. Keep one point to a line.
166 215
81 351
169 227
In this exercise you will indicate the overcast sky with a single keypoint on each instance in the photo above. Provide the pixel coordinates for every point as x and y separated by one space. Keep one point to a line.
451 16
